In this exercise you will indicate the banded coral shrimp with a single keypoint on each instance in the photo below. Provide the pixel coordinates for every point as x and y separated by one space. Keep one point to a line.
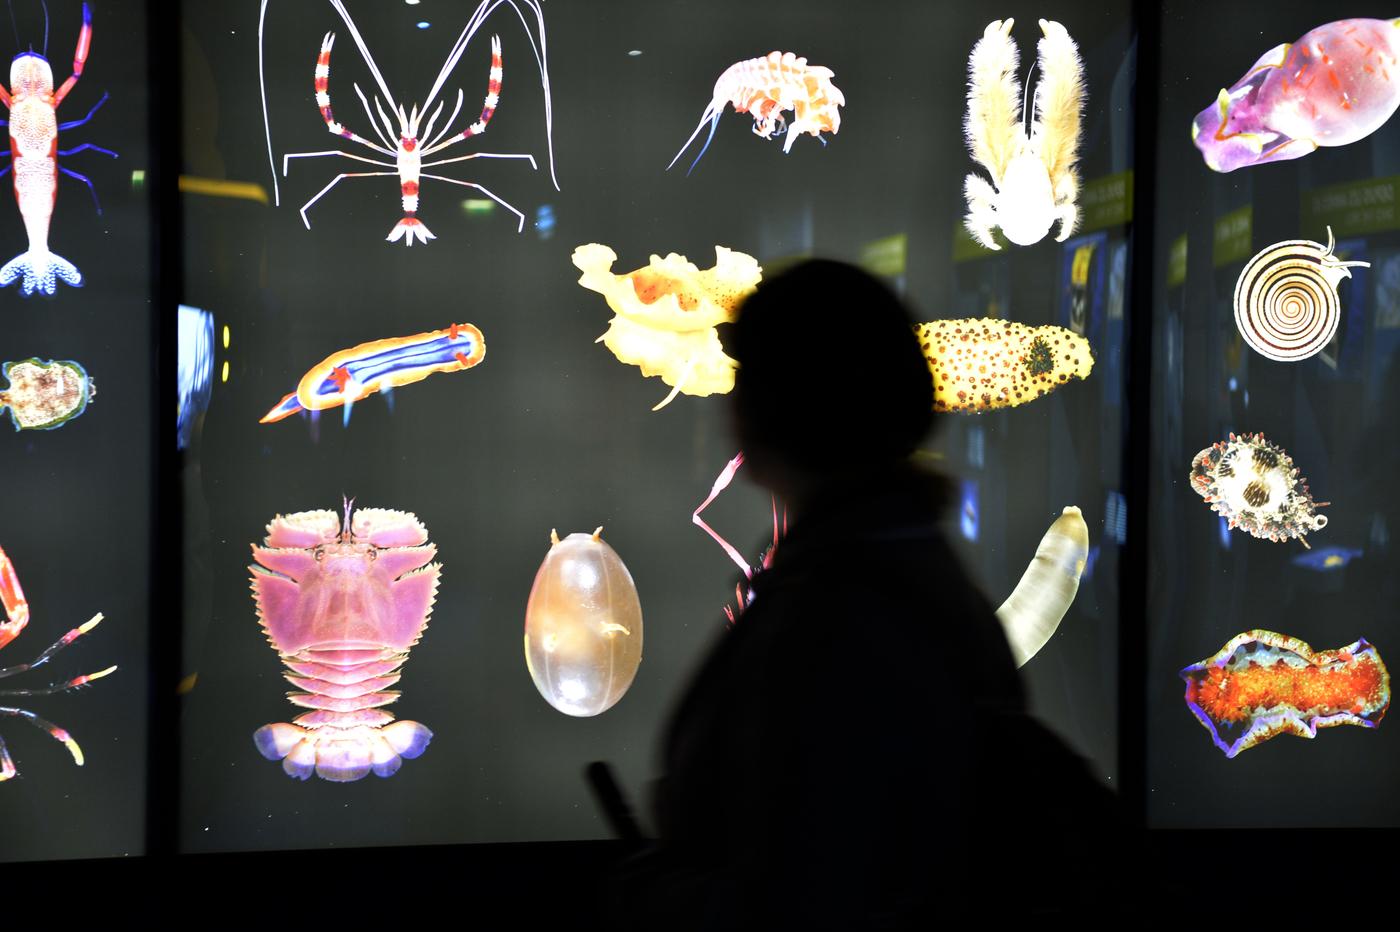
405 141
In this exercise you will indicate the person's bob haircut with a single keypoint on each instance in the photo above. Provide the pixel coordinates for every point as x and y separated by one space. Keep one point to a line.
831 376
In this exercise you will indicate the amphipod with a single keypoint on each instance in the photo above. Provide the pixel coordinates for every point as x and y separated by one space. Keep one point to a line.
42 395
766 87
1043 596
1286 304
583 626
1335 85
343 602
982 365
1253 484
1032 160
1262 684
667 312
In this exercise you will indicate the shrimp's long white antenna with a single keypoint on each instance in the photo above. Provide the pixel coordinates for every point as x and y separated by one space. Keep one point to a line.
540 50
446 127
431 120
364 49
1026 103
267 127
542 62
458 48
372 124
388 124
711 116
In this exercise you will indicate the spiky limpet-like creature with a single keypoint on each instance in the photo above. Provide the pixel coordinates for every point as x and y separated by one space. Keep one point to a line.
1254 485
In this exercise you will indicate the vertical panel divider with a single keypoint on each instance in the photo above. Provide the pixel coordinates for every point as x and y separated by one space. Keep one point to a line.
1133 579
165 576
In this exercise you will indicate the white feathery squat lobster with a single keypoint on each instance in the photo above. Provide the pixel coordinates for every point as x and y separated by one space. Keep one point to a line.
1031 160
403 143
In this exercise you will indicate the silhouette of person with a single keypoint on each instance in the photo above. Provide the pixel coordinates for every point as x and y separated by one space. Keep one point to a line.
855 752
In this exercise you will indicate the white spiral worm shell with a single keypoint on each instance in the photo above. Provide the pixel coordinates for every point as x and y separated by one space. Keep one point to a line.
1034 610
1286 303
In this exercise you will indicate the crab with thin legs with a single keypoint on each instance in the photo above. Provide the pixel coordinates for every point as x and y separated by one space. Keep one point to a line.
16 609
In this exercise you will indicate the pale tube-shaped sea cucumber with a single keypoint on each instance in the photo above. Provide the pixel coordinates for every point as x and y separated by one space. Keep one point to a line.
1033 612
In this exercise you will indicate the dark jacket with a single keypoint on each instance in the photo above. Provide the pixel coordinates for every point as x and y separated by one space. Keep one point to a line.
840 758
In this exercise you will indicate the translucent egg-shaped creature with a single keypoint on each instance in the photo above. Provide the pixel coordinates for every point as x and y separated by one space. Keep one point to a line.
583 626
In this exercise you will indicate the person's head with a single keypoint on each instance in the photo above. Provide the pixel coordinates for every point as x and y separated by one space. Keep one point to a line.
831 377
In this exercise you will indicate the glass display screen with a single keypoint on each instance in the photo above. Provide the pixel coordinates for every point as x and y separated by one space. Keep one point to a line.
347 272
1271 580
76 436
417 329
460 506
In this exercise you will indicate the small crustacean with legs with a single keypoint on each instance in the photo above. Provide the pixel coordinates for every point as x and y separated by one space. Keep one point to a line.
407 143
16 617
743 595
1031 161
765 88
34 128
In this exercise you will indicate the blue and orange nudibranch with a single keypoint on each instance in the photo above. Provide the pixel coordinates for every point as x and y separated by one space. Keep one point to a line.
356 373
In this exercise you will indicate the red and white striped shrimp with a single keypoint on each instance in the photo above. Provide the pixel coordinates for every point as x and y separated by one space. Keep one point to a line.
34 127
403 143
768 86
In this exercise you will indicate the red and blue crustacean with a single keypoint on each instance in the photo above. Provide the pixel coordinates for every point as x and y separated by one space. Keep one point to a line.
33 104
1335 85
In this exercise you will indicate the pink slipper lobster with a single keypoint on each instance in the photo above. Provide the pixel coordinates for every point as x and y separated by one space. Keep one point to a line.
1337 84
343 603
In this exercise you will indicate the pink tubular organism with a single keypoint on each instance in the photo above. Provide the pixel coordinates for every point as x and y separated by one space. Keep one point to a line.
742 594
343 603
34 127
